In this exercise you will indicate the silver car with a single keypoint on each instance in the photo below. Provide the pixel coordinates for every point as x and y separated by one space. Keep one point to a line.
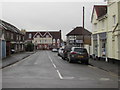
78 54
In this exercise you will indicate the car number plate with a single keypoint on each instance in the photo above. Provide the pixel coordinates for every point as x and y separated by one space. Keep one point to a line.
80 56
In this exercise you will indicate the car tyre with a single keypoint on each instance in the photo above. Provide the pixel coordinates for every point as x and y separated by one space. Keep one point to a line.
63 58
70 60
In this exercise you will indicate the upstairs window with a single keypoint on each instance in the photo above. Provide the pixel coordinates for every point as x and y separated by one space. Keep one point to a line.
58 40
38 36
30 35
53 40
47 36
11 35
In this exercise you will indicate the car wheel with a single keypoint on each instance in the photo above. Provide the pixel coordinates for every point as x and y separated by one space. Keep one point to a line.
69 60
63 58
58 54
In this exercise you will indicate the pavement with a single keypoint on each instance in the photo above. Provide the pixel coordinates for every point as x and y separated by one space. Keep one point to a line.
15 58
107 66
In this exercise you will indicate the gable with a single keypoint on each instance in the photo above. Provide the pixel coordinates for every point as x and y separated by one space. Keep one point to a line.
94 16
47 35
37 34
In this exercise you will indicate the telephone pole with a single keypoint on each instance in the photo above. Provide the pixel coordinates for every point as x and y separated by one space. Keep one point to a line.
83 24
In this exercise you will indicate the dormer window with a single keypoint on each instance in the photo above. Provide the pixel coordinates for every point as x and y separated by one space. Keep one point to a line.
47 36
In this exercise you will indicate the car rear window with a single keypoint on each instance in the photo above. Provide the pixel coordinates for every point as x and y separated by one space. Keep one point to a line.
82 50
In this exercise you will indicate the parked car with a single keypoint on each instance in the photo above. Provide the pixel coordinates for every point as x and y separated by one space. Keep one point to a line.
60 51
66 50
12 51
54 50
78 54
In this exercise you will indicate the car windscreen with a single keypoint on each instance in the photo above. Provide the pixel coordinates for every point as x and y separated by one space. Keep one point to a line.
81 50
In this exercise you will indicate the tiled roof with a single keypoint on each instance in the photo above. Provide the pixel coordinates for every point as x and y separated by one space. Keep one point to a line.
79 31
9 27
101 10
55 34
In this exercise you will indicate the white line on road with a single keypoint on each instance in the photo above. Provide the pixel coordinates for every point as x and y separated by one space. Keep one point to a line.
59 74
52 62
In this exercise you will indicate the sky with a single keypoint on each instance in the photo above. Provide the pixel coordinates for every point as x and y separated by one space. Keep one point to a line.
33 16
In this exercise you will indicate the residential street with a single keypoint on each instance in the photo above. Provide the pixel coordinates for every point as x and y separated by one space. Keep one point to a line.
44 69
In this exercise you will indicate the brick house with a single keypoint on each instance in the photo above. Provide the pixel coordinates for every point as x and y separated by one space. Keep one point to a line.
44 39
13 38
79 36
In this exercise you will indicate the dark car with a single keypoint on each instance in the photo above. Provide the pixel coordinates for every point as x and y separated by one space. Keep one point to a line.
78 54
67 49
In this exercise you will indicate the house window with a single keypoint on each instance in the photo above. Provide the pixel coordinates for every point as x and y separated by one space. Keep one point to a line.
53 40
19 37
47 36
38 36
30 35
114 20
58 40
11 35
23 38
7 34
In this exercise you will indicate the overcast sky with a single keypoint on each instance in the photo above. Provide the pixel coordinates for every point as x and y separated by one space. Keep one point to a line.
48 15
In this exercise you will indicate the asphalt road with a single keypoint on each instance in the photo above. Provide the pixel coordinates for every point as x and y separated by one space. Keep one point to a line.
45 69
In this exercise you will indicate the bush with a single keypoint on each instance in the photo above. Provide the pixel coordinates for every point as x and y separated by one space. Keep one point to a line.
29 47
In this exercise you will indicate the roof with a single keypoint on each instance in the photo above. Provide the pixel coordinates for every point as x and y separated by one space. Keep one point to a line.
79 31
101 10
55 34
9 27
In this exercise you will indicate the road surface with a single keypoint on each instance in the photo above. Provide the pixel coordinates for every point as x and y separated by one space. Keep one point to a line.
45 69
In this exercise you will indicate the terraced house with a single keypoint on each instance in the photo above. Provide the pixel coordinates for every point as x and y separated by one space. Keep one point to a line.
11 39
44 39
106 30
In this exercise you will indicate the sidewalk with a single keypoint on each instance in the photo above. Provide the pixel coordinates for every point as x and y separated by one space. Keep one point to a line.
107 66
15 58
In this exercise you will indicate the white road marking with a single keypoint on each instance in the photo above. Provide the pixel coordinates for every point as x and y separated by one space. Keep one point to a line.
68 77
59 74
104 79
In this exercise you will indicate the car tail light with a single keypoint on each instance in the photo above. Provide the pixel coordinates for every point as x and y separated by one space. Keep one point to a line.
73 53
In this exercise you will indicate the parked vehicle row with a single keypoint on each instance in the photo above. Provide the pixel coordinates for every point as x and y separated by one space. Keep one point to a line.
74 54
